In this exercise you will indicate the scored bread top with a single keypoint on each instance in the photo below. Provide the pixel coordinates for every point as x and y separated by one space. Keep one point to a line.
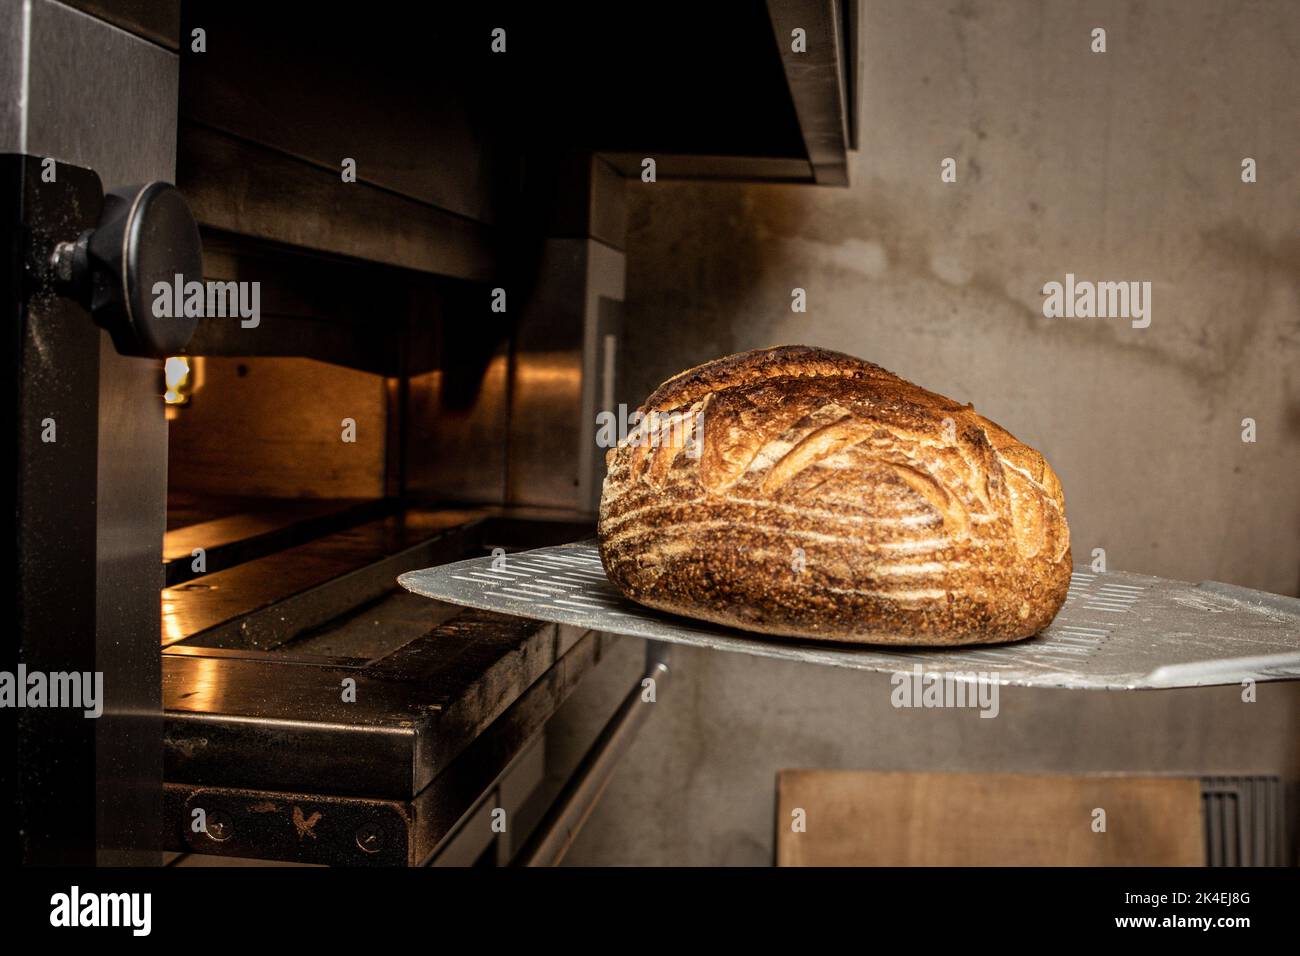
802 361
920 520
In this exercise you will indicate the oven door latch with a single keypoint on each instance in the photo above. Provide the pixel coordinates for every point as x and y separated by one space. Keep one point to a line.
132 267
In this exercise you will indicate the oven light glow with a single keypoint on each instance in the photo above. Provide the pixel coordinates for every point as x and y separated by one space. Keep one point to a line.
176 371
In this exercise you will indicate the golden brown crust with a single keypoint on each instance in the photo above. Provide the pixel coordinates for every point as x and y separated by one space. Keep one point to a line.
801 492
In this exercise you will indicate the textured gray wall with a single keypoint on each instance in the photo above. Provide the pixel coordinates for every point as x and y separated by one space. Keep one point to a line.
1116 166
1123 165
698 787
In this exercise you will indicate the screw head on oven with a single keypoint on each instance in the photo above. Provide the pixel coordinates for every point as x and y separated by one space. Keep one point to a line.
370 837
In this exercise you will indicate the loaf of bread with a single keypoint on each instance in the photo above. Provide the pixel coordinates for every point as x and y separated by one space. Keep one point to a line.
800 492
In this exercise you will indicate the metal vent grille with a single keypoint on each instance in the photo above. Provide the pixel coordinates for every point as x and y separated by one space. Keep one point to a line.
1245 822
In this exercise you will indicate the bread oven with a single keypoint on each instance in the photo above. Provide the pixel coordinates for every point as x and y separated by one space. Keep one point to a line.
407 316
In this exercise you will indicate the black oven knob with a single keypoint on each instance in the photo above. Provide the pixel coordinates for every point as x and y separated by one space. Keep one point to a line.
131 270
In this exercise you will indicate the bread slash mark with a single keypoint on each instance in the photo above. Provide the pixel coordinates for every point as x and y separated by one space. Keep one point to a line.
816 445
955 518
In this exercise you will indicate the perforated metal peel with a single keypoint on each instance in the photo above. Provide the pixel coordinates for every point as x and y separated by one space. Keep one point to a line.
1116 631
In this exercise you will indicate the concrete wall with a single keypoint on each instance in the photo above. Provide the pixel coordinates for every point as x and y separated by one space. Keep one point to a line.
698 787
1117 166
1123 165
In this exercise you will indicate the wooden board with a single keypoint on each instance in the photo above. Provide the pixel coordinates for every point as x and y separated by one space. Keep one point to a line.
867 818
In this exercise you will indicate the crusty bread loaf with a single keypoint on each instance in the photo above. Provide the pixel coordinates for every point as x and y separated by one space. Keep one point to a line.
797 491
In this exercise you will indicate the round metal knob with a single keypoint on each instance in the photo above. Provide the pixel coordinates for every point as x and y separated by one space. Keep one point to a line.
128 270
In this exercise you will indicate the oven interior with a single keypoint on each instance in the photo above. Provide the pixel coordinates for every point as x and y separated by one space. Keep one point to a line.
435 336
